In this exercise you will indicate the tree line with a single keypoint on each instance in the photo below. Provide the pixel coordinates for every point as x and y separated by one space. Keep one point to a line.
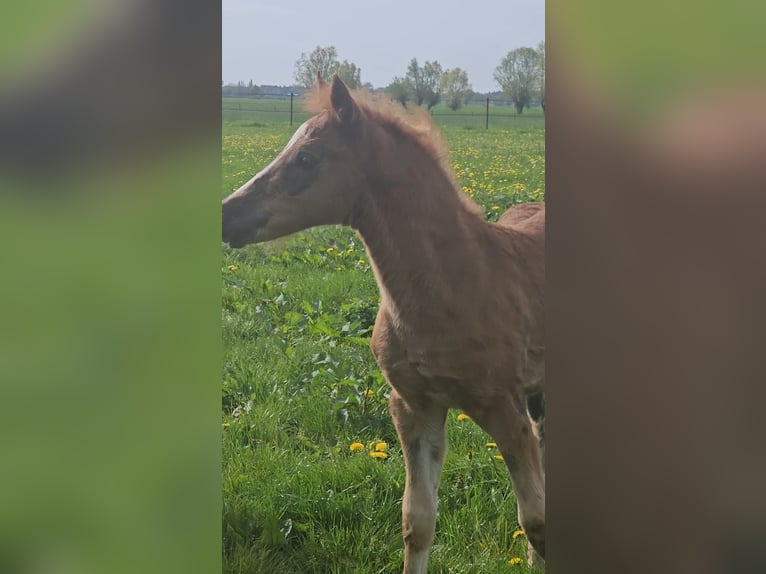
520 75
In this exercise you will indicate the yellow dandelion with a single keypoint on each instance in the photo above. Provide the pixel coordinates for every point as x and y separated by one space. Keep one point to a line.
349 251
361 262
515 561
492 444
495 208
232 267
376 454
330 249
518 533
381 446
463 417
499 457
225 425
356 446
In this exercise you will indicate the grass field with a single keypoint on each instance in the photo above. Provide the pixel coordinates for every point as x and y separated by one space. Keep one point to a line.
300 387
262 112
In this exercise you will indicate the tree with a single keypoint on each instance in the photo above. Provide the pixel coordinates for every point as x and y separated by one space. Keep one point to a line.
519 76
399 90
541 56
423 83
432 75
324 60
350 74
455 88
414 81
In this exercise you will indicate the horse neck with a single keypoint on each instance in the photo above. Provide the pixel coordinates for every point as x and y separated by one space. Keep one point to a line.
418 233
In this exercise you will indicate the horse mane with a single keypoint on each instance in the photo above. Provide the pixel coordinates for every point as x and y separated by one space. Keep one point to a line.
413 123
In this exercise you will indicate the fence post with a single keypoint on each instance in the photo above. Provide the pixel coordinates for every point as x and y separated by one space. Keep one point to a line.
486 124
291 108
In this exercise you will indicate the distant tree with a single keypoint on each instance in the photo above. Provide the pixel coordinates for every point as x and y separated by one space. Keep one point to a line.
519 76
432 75
423 82
541 56
455 88
239 89
350 74
324 60
414 80
399 90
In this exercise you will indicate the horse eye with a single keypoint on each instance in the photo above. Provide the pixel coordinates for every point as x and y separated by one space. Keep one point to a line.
306 160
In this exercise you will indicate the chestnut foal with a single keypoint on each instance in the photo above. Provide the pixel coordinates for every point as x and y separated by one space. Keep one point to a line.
461 321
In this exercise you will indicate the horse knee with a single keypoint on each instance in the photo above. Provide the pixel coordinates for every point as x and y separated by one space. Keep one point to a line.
418 529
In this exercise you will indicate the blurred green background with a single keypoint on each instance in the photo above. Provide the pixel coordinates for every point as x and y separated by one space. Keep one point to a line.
110 351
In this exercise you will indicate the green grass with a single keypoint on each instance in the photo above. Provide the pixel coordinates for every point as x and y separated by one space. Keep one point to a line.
300 385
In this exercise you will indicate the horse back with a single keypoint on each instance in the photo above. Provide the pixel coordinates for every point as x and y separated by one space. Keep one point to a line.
524 217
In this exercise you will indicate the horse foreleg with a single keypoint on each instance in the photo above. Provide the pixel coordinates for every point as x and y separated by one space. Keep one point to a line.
424 443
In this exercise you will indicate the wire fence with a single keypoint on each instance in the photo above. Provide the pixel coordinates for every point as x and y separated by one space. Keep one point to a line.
485 113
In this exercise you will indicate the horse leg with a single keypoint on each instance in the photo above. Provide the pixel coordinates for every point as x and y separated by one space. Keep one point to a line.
536 410
508 422
424 443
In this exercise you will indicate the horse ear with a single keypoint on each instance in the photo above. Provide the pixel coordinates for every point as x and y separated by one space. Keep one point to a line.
320 82
341 100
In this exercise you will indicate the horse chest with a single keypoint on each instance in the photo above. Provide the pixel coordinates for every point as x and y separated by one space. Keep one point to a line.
446 372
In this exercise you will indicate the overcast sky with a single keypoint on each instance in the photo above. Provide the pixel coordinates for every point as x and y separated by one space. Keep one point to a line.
262 39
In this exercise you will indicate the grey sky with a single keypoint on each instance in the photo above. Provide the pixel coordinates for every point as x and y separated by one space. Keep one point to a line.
262 39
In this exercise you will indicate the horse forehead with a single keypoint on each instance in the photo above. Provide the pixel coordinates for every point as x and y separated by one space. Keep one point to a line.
300 134
307 130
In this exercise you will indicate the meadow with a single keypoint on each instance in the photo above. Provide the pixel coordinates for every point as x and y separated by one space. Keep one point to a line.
312 471
265 111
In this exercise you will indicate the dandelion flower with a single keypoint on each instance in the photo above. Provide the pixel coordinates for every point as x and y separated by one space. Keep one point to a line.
232 267
515 561
377 454
381 447
463 417
330 249
499 457
355 446
495 208
518 533
369 393
492 444
225 425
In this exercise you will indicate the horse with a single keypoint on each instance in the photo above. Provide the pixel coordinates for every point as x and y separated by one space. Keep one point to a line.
461 316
